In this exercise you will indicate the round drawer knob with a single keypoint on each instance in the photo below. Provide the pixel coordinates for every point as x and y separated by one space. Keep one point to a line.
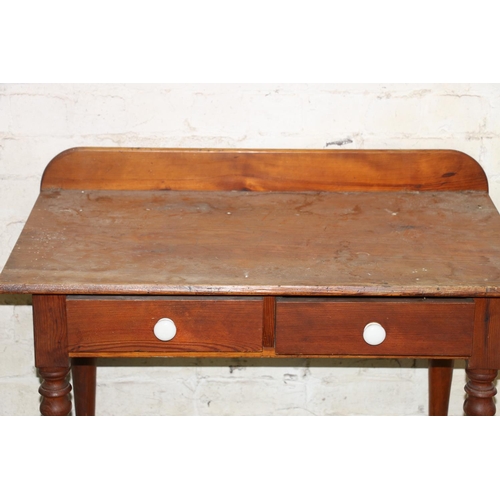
374 333
165 329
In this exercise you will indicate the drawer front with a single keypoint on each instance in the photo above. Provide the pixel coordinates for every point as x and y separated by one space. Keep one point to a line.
413 327
123 324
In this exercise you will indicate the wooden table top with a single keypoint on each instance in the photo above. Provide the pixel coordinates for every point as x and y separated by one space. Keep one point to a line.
258 243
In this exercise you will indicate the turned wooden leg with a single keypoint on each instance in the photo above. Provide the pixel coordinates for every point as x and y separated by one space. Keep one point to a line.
55 390
83 371
51 353
440 377
480 392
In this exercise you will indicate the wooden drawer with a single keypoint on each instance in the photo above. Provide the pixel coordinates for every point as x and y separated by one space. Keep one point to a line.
413 327
126 324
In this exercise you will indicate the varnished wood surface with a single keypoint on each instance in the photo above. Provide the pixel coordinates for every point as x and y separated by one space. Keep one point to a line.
263 170
486 345
266 353
480 390
84 376
269 322
55 390
440 379
203 324
50 328
413 327
167 242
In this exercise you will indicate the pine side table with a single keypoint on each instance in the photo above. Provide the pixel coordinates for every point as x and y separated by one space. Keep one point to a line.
261 253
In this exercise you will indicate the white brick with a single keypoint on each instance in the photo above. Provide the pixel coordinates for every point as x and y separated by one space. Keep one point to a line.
250 396
93 115
6 321
492 115
162 396
17 198
19 396
37 115
335 116
451 115
494 188
5 124
16 359
26 157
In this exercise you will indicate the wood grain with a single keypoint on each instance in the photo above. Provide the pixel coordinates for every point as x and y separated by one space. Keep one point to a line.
126 324
269 321
480 392
55 391
215 243
84 373
486 345
266 353
263 170
413 327
50 332
440 379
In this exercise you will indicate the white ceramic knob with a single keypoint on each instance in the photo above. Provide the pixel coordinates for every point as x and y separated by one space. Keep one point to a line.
165 329
374 333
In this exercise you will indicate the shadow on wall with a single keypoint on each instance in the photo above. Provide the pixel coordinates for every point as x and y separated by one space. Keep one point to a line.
235 364
9 299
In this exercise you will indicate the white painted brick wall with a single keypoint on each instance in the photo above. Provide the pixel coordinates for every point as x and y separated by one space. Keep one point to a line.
37 121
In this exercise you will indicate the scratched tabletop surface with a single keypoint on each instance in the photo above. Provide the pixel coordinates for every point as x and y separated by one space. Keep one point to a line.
258 243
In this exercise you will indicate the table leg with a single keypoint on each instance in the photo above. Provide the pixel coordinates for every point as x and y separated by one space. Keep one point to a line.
51 353
83 371
440 377
480 392
55 391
